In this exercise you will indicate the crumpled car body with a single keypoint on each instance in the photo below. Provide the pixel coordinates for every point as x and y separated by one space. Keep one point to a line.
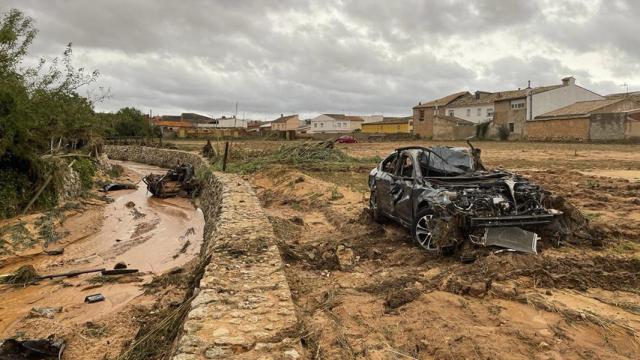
445 196
180 180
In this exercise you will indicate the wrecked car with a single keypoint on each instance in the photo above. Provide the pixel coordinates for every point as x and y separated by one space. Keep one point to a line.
180 181
445 196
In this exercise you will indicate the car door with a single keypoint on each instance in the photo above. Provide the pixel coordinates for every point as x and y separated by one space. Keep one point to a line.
383 184
402 188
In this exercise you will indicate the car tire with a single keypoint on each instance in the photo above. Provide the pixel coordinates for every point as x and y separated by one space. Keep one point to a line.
421 230
373 208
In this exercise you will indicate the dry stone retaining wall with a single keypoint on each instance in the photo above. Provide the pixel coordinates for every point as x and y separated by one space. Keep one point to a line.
243 309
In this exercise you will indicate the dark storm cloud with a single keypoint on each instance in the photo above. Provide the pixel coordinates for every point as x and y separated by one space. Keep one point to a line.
311 57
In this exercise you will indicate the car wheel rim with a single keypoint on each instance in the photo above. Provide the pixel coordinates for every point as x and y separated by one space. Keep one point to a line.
424 235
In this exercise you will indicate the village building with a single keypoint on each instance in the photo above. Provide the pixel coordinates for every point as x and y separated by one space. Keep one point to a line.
477 108
335 123
513 108
505 109
599 120
286 123
389 125
424 115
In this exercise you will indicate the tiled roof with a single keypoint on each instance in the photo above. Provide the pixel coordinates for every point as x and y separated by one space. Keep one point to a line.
442 101
400 120
456 120
581 108
354 118
194 116
336 116
283 119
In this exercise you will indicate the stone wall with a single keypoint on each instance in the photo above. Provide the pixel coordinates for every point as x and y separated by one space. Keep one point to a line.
243 307
576 129
609 126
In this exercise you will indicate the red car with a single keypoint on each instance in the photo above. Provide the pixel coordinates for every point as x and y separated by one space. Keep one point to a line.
346 139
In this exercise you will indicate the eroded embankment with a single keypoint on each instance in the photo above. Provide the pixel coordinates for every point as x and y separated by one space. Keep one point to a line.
243 305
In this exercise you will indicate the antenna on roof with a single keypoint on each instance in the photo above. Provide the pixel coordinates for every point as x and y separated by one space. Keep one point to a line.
626 86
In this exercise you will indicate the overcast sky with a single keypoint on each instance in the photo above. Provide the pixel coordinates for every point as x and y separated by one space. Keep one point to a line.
358 57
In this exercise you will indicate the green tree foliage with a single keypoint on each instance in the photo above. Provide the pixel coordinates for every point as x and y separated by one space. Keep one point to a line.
41 110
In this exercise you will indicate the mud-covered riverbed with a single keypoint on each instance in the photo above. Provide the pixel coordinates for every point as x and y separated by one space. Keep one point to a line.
149 234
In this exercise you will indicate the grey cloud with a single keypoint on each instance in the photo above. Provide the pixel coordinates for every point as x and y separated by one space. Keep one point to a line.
312 57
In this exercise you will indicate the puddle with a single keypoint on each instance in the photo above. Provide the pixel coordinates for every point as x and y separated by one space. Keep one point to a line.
168 235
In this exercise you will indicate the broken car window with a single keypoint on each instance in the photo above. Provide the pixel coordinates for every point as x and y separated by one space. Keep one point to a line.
407 166
445 161
389 165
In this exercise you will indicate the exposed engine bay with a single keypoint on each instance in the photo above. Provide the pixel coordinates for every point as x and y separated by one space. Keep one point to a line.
446 196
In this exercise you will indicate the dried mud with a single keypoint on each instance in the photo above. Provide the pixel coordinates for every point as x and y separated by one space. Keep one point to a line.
364 291
145 233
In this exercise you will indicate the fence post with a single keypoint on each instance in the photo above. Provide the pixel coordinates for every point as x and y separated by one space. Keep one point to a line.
224 158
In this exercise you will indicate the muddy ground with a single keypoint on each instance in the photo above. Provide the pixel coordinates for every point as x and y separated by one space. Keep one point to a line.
364 291
159 237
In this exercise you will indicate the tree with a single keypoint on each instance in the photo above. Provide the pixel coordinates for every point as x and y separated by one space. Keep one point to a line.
39 106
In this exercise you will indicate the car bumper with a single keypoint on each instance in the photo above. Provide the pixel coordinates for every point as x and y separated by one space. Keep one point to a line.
513 220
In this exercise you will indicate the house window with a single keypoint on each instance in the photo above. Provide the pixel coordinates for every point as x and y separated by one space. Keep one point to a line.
451 113
489 112
421 117
315 125
468 112
321 124
479 111
511 127
517 104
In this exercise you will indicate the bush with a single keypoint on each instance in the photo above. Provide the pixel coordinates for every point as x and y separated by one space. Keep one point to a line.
85 169
14 188
503 132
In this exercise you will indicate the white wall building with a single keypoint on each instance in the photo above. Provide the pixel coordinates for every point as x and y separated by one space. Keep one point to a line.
538 103
477 113
232 122
335 123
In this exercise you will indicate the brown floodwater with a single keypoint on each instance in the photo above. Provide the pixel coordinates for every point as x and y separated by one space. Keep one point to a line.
154 236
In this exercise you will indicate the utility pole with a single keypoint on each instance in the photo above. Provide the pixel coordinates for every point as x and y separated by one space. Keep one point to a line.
235 117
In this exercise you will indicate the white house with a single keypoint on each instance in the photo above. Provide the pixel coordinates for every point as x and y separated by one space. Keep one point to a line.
541 102
481 106
231 122
476 108
335 123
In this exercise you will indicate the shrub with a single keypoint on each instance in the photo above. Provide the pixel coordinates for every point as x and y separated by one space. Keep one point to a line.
85 169
503 132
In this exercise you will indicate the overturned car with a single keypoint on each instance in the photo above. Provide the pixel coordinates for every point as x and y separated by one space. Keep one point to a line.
180 181
445 196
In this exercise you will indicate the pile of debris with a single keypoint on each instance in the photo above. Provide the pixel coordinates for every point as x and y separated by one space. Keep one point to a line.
179 181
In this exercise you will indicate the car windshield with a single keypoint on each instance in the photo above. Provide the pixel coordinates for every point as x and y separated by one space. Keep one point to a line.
445 161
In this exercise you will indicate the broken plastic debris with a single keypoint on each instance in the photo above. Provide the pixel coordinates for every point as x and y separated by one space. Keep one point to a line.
511 238
94 298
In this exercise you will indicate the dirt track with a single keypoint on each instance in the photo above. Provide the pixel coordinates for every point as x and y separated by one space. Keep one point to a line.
364 291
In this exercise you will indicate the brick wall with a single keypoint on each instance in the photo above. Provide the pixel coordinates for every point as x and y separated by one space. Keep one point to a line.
563 129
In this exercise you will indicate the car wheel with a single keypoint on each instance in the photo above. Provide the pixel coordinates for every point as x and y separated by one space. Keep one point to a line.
422 230
373 207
